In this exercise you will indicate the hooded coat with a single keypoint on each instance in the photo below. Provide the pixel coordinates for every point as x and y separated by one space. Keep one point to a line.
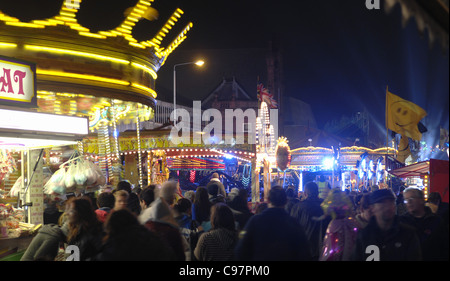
45 244
159 219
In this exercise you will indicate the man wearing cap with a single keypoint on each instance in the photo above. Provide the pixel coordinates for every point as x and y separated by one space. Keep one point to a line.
385 238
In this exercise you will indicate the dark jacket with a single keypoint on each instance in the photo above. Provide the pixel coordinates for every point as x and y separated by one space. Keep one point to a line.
170 235
241 218
400 243
273 236
88 242
221 188
432 234
135 244
306 213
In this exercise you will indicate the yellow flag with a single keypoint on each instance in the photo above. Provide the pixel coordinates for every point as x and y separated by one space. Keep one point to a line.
402 116
403 149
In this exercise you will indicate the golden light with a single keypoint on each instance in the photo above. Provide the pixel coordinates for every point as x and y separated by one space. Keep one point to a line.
199 63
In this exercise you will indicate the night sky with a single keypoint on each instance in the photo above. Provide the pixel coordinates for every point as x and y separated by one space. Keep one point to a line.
338 56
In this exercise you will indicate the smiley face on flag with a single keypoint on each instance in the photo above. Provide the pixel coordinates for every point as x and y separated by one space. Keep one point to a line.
403 116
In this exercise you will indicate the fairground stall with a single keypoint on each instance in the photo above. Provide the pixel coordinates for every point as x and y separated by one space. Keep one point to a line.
152 158
430 176
353 168
26 136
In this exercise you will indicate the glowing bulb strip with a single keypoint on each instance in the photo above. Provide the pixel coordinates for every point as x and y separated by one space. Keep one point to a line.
85 54
108 150
75 53
81 76
80 147
147 89
177 41
138 125
24 24
127 25
7 45
116 133
146 69
166 27
67 17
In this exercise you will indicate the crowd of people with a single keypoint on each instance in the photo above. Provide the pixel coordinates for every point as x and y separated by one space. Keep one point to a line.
161 223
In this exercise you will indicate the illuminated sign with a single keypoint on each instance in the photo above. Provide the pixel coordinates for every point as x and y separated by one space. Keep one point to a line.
13 120
17 82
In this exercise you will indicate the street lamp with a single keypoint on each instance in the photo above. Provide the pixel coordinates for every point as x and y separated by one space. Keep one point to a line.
197 63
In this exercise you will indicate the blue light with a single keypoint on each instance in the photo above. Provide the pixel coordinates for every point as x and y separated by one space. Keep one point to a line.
228 156
328 163
363 164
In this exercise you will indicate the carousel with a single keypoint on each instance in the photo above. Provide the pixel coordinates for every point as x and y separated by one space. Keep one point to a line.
106 76
75 90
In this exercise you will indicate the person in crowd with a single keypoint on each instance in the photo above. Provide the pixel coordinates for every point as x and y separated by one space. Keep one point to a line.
306 213
218 244
168 191
215 179
44 246
213 193
364 211
147 196
400 202
292 198
127 240
105 203
51 211
84 229
133 199
182 212
434 202
189 229
233 193
261 207
159 219
120 199
385 238
190 194
341 232
201 208
273 235
324 187
240 209
432 235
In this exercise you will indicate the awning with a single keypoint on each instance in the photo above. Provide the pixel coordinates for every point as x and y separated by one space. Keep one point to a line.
414 170
431 166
